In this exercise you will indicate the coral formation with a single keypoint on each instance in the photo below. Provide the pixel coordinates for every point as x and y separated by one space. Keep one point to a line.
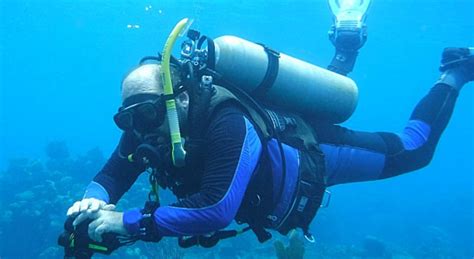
294 250
35 196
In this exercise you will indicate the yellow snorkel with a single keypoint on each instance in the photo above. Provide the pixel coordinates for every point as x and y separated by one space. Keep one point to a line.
178 153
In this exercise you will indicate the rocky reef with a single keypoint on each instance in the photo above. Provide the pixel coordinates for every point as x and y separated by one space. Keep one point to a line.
295 248
35 195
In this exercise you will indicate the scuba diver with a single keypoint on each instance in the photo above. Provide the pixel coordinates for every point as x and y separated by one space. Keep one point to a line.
238 131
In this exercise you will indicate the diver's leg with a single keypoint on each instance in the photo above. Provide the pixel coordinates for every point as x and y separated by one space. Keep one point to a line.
348 33
353 156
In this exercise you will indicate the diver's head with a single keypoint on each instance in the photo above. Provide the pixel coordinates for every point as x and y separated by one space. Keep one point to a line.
143 109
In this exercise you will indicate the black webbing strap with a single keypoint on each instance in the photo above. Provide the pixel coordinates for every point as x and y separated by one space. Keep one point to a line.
147 224
271 74
343 62
211 51
208 241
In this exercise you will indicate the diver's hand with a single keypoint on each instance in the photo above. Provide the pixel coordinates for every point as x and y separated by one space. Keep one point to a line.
91 204
86 207
106 221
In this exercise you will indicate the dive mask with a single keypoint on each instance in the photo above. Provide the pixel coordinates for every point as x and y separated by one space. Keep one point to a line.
142 117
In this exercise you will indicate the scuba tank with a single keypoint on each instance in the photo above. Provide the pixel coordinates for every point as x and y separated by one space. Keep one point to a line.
283 81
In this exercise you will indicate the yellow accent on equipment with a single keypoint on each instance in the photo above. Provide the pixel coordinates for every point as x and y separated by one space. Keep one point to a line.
98 248
178 153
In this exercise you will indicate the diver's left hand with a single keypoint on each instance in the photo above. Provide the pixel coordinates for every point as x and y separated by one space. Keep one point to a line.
106 221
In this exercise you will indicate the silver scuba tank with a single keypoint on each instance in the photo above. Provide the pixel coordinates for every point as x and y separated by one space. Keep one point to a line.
284 81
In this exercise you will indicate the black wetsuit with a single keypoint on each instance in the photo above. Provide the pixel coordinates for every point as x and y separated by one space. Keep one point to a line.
234 149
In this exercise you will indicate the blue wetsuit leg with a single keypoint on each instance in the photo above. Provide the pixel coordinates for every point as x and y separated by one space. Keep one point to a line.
353 156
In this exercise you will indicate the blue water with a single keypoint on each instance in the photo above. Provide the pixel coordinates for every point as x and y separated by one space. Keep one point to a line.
61 63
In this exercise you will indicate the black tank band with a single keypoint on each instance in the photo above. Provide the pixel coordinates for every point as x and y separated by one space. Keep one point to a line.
271 74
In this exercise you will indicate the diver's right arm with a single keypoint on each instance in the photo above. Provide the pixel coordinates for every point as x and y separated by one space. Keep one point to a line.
115 178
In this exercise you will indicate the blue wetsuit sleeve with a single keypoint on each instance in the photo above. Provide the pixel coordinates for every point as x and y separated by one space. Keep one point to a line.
117 175
233 153
97 191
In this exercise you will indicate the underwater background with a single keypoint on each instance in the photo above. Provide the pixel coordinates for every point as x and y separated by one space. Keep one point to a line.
61 64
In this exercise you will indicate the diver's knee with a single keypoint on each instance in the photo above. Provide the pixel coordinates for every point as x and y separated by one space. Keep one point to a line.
407 161
423 158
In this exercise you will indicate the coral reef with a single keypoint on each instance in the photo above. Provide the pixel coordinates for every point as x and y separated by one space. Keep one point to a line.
35 195
34 199
433 242
294 250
